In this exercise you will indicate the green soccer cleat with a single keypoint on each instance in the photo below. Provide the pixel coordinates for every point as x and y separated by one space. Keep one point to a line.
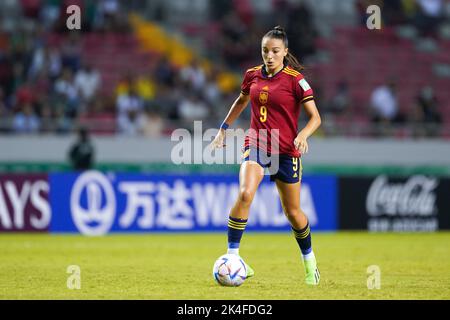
312 272
250 271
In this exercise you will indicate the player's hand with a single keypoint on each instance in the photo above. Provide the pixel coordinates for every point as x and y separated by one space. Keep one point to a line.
218 141
301 144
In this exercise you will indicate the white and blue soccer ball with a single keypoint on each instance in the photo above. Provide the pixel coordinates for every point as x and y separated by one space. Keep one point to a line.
230 270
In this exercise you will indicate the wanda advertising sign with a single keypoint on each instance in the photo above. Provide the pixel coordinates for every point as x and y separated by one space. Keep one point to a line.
382 203
24 204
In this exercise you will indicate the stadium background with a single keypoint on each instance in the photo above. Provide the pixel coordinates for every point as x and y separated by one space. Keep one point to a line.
138 70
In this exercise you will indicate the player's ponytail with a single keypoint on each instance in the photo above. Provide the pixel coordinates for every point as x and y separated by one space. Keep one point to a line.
293 62
279 33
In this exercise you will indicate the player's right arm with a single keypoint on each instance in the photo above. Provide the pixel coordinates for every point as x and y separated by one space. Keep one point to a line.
236 109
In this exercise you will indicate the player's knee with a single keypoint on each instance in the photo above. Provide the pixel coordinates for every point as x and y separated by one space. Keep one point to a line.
245 196
292 213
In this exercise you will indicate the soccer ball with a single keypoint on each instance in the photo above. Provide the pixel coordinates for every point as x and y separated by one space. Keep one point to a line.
229 270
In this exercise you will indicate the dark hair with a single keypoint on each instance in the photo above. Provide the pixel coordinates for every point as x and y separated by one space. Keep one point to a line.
279 33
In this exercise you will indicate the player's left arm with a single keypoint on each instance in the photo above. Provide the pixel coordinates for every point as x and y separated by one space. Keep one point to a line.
314 122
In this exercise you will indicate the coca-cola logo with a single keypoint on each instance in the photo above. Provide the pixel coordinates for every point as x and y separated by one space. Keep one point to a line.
414 197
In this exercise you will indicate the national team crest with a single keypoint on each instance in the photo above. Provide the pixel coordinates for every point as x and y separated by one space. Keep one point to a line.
264 95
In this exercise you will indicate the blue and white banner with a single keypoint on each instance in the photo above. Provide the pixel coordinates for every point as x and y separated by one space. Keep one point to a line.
94 203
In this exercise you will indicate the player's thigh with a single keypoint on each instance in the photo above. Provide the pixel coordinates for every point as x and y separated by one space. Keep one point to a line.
289 195
250 176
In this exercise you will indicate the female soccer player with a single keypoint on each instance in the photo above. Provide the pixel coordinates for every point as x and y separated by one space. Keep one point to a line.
276 91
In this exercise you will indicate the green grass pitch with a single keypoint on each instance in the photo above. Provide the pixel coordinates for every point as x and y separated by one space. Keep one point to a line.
179 266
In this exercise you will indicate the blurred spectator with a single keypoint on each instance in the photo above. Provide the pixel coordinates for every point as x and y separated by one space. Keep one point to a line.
71 52
194 75
87 82
427 103
131 123
191 108
42 86
429 16
6 73
3 100
54 63
67 91
38 62
340 102
426 118
25 94
26 120
130 109
47 121
18 76
109 14
164 72
409 10
153 124
145 88
62 123
4 111
42 91
81 153
211 90
385 105
21 44
165 101
125 83
50 13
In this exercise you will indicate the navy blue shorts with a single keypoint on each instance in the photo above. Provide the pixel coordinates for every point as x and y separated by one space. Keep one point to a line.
283 167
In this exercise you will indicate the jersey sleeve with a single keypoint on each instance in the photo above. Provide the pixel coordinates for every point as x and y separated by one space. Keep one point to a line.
303 90
246 83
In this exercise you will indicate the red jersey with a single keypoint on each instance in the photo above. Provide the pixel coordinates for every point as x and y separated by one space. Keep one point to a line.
275 103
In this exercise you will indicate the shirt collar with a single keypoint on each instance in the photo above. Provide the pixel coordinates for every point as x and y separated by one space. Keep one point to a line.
266 75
